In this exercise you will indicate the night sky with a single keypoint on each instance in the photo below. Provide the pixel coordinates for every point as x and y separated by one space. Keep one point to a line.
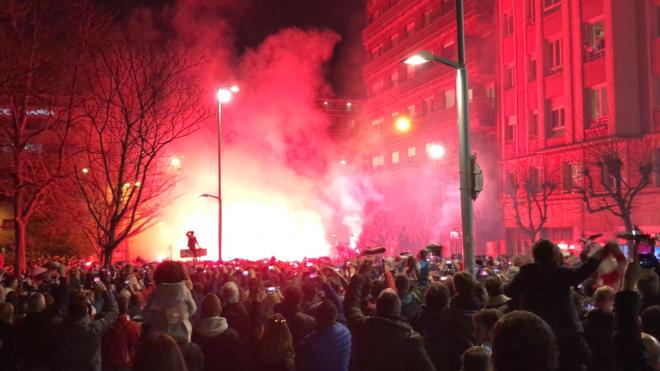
254 20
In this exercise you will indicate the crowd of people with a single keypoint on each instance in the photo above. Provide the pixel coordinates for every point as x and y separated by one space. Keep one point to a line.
397 313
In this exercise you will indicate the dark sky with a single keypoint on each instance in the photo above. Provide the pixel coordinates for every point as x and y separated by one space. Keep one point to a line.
257 19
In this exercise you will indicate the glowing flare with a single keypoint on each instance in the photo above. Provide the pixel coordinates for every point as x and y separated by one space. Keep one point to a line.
85 170
224 95
234 89
175 162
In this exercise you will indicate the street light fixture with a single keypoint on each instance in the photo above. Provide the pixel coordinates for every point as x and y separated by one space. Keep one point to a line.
436 151
402 124
466 164
224 96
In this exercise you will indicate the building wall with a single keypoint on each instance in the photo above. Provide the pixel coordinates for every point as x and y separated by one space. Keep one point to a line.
420 189
606 81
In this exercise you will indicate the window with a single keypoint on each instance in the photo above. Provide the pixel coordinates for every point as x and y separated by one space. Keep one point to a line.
448 49
657 21
508 77
594 44
531 68
533 129
377 161
510 129
530 14
412 152
410 110
533 176
377 123
410 28
597 106
410 71
427 105
606 178
507 24
394 39
395 157
394 78
550 4
556 119
554 56
490 91
470 94
510 181
395 114
570 176
377 86
450 98
656 166
428 17
439 102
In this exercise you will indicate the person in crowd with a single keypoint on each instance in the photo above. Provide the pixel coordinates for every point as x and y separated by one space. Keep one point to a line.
170 307
32 334
159 351
119 344
544 288
496 298
476 359
221 345
310 297
444 339
234 310
76 341
275 351
410 302
386 341
522 341
484 323
8 336
328 348
598 329
651 321
469 296
299 323
649 288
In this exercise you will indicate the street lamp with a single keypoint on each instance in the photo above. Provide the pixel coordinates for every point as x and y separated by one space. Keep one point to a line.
224 96
436 151
402 124
465 161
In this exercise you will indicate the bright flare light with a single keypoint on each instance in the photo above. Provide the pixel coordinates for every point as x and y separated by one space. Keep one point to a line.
224 95
85 170
436 151
342 162
402 124
234 89
175 162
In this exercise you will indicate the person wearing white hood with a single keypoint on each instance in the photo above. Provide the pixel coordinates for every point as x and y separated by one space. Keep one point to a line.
170 308
221 345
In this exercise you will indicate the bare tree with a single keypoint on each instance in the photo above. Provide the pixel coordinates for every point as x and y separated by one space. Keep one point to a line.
529 191
142 100
44 46
616 189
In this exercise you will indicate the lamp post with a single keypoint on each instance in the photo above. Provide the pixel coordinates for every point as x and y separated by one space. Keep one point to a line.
224 96
466 186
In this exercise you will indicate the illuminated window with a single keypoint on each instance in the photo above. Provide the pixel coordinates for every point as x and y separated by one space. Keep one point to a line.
377 123
510 129
596 105
490 91
533 129
507 24
571 175
377 161
412 152
470 94
531 68
395 157
556 119
594 43
554 56
450 98
508 77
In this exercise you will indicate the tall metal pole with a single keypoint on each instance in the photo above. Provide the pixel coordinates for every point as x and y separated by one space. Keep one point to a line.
219 180
467 214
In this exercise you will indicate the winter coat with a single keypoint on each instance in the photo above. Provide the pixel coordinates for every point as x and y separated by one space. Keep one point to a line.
169 310
300 324
326 349
381 343
76 344
447 334
120 343
598 330
237 318
221 345
629 350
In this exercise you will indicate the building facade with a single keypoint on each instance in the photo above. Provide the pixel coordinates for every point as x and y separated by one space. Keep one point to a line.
579 81
414 165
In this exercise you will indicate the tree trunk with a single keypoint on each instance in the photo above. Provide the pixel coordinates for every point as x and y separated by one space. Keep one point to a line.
627 221
20 246
107 256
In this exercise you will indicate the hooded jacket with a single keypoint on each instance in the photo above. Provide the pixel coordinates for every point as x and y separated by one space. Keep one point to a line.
221 345
169 311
